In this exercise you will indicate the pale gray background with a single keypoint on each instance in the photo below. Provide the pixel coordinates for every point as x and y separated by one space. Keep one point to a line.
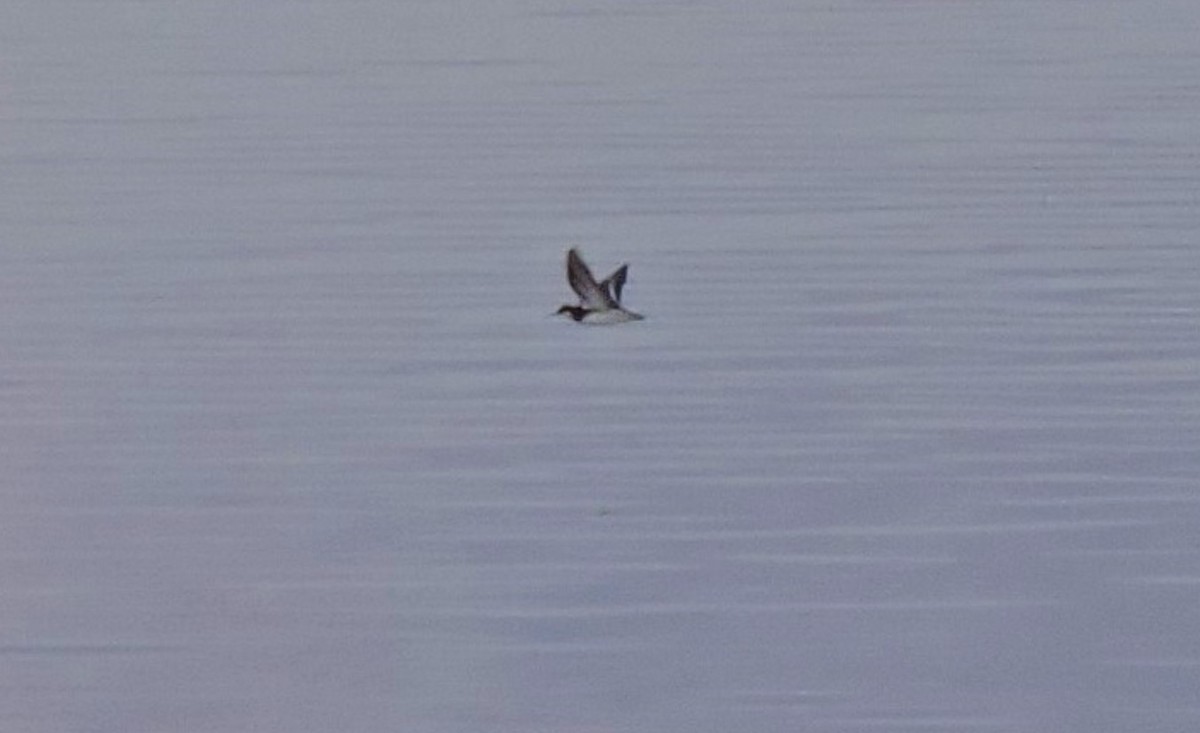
908 442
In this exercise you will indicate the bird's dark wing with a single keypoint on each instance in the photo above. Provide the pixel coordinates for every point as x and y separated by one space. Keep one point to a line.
614 283
590 294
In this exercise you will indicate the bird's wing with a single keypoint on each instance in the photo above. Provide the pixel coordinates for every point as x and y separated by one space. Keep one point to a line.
590 294
614 283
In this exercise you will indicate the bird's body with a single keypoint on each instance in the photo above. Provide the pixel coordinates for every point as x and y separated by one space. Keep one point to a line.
599 303
600 318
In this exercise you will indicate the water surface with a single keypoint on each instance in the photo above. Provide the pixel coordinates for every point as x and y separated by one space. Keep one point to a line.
906 443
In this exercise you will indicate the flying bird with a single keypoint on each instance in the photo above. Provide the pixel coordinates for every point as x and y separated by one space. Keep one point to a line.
599 303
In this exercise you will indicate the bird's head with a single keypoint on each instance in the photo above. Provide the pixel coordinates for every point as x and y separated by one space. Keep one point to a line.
576 312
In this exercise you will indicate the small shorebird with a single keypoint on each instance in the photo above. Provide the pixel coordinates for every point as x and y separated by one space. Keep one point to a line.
599 303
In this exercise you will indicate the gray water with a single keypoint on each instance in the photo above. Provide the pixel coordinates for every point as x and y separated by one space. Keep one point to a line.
908 440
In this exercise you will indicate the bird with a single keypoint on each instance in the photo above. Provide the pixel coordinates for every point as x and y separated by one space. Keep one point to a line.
599 303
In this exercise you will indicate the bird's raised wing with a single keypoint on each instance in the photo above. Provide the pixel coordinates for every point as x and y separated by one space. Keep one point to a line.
590 294
614 283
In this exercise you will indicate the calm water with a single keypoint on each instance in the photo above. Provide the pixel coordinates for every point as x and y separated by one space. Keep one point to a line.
908 441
